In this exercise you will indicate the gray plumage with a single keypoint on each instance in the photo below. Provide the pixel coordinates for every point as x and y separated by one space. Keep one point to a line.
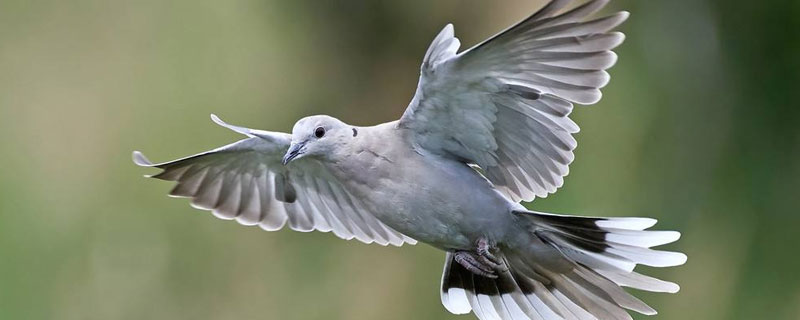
488 127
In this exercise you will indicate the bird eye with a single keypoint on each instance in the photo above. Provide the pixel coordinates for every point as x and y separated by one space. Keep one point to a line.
319 132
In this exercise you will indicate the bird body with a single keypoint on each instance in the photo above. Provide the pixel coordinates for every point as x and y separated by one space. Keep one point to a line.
431 198
487 128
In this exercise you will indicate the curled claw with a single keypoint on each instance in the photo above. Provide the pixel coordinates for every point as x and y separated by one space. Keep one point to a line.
481 262
485 255
471 262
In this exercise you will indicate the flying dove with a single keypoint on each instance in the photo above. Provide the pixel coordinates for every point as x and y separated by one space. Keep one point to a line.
487 128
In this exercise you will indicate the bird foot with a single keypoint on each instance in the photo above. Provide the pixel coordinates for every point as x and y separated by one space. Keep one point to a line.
481 262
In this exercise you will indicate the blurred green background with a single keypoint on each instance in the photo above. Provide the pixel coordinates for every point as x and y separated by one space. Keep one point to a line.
700 127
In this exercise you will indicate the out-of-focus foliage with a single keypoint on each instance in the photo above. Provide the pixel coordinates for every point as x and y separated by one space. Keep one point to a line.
700 127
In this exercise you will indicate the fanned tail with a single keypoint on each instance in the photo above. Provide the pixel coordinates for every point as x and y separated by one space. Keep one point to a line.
570 268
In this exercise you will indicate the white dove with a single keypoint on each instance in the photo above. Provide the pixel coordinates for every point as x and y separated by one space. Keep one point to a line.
487 128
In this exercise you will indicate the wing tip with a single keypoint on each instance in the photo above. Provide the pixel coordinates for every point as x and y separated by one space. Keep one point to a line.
217 120
237 129
444 46
221 123
141 160
448 31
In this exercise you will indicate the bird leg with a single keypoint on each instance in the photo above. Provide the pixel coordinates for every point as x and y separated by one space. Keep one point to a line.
484 251
470 261
481 262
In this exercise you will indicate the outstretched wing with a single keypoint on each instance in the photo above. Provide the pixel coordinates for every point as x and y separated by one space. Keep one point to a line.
504 104
245 181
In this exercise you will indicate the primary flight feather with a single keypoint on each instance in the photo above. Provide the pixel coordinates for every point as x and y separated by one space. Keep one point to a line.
487 127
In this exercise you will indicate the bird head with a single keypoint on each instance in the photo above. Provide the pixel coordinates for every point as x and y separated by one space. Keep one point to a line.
317 136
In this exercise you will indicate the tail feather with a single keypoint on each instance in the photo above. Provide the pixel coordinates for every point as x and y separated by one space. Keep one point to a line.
454 294
601 239
609 290
543 301
599 306
573 268
639 281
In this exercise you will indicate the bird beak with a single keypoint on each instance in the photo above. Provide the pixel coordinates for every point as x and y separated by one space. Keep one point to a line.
295 149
